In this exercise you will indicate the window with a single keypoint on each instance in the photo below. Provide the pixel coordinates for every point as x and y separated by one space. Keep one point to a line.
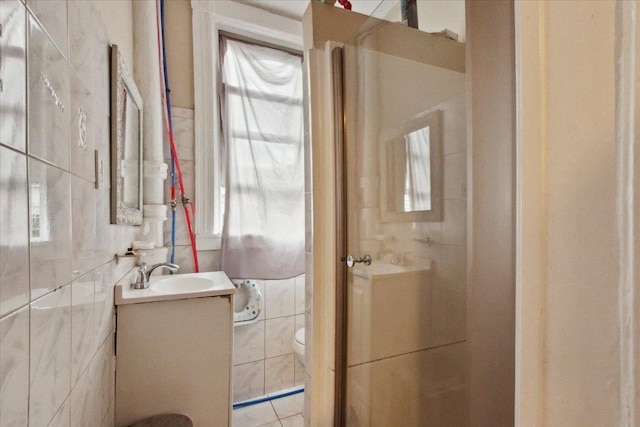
209 20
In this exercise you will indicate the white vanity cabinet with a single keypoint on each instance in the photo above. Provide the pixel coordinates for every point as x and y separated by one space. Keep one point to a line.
174 356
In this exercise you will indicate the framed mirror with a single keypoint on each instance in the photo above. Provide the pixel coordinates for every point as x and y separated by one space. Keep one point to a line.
411 171
126 144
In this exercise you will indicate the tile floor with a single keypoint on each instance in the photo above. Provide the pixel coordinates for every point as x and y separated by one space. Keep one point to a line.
282 412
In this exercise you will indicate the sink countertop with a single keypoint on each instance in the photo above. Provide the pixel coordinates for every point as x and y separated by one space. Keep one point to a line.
125 294
379 269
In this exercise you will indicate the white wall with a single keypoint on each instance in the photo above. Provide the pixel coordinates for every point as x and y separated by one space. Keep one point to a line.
56 317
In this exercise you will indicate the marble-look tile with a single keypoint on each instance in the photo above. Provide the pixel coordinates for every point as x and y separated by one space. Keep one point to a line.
248 381
308 222
278 373
455 176
308 283
182 233
50 360
13 72
248 342
207 260
49 204
104 308
394 395
102 143
91 397
299 372
14 368
308 390
14 231
102 233
81 39
101 51
82 324
183 137
108 420
62 418
81 130
299 294
48 98
83 227
300 321
294 421
280 298
182 113
102 372
188 178
52 14
279 334
454 224
308 342
254 415
288 406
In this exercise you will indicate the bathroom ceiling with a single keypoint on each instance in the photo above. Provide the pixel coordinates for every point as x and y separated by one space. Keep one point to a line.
295 8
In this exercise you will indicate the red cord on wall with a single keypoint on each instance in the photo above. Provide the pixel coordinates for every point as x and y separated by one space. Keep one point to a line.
186 203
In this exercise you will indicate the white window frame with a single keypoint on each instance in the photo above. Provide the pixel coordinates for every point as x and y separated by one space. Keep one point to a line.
209 18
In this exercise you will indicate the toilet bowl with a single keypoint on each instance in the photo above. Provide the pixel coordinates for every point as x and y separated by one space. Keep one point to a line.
298 345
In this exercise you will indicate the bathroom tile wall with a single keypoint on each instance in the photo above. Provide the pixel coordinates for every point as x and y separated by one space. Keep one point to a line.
184 139
263 356
57 270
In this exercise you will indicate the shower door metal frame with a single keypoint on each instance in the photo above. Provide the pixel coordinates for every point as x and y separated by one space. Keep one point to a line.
340 391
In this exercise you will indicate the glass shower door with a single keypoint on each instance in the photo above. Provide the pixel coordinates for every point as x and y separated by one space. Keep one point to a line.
405 192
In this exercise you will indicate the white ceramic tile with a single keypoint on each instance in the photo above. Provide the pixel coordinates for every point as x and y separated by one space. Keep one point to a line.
53 16
280 298
294 421
299 372
183 137
102 245
102 372
254 415
278 373
308 342
101 42
454 124
248 381
104 308
50 204
455 176
82 324
13 74
50 360
308 222
81 39
279 334
272 424
388 392
454 224
14 368
182 113
102 143
81 130
308 285
48 99
308 389
82 413
288 406
83 226
14 232
249 343
63 417
299 294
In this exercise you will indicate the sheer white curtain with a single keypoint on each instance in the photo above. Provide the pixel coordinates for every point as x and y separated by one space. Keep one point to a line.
263 232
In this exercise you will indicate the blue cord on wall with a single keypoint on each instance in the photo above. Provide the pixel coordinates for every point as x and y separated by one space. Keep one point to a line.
168 106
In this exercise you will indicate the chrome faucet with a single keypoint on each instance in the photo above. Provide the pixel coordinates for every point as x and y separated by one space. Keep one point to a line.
144 272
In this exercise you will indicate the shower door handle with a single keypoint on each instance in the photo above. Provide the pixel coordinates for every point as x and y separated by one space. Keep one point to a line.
351 260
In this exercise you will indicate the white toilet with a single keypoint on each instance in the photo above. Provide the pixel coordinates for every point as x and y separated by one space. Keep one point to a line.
298 345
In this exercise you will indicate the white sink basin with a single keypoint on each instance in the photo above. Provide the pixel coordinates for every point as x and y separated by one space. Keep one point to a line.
178 286
181 285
